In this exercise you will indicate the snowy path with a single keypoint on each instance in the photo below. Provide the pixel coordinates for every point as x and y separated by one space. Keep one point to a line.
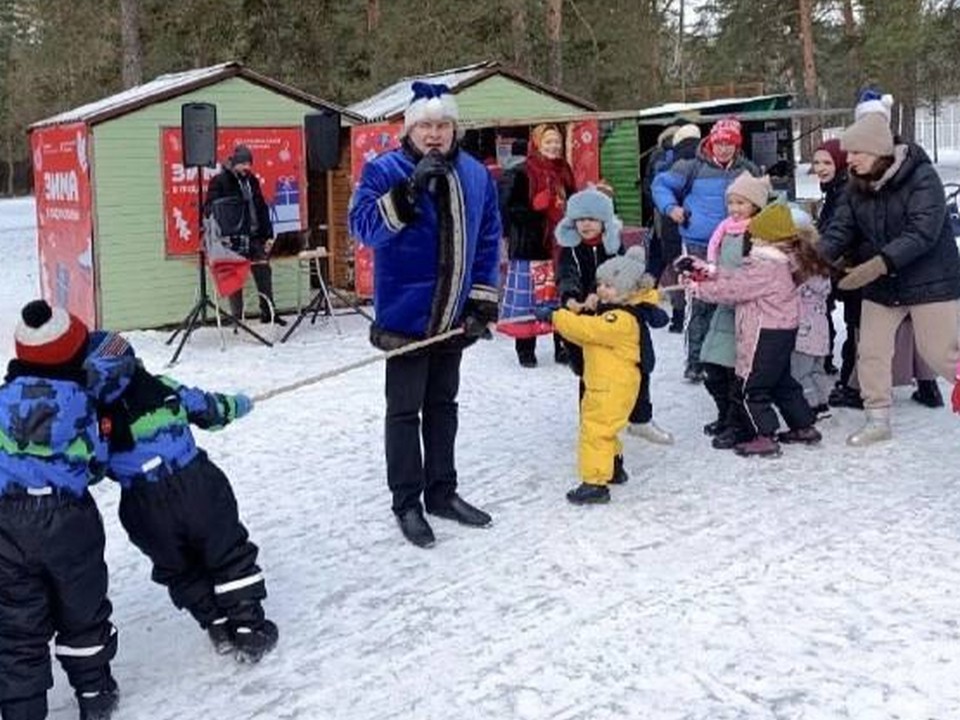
816 586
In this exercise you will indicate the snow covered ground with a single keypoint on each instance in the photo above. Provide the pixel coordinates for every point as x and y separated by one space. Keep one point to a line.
820 585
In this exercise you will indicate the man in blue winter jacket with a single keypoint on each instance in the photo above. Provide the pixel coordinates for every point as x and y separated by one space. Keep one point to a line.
693 194
430 213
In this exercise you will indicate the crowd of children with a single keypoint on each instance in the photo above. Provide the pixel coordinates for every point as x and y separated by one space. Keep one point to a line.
76 407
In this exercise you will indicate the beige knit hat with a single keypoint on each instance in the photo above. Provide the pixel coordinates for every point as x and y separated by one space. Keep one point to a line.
686 131
756 190
870 134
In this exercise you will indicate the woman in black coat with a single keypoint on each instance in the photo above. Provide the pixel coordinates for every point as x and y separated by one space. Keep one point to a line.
893 223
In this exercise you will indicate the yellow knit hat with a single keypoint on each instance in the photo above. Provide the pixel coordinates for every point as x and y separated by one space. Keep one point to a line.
773 224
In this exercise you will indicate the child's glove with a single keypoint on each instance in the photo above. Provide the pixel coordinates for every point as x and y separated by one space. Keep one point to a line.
543 313
955 398
242 404
694 268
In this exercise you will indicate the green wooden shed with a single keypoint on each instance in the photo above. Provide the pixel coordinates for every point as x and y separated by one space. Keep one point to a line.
107 240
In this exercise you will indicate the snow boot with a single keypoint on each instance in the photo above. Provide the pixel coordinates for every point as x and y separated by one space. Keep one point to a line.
693 374
586 494
843 396
220 636
928 394
760 446
822 412
99 704
415 528
676 320
651 432
729 438
453 507
800 436
620 475
875 429
712 429
253 642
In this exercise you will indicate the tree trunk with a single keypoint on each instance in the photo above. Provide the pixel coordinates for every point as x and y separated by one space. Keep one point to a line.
519 37
11 164
850 33
373 15
812 137
554 23
130 36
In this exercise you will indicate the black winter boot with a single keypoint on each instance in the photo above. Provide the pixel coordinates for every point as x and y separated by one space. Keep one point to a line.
453 507
585 494
99 705
928 394
221 636
253 642
620 475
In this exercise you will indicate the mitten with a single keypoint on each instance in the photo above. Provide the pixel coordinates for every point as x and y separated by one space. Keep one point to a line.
431 166
864 273
541 201
474 328
242 404
543 313
955 398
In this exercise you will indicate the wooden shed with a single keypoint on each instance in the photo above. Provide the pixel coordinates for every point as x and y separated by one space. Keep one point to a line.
117 210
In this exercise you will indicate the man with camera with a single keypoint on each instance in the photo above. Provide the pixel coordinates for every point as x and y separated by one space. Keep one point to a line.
430 213
236 202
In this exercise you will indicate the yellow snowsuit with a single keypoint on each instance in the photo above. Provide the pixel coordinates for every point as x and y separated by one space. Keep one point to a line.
611 376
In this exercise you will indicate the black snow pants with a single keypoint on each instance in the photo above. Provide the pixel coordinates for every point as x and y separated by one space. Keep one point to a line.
770 383
53 582
421 391
189 526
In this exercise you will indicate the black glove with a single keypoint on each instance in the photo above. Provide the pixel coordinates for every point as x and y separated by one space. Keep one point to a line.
684 264
431 166
474 328
477 316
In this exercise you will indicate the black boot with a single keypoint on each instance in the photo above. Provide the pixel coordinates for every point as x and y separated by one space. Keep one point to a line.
620 475
844 396
676 320
928 394
221 636
253 642
527 352
454 507
99 705
585 494
730 438
560 354
415 528
714 428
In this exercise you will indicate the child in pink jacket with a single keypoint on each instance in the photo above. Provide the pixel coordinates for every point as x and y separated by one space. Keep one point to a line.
764 291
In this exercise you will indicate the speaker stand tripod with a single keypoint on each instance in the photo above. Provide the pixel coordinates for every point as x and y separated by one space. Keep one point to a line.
198 313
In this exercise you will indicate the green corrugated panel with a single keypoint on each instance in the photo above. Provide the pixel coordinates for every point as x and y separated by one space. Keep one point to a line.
139 287
501 98
620 166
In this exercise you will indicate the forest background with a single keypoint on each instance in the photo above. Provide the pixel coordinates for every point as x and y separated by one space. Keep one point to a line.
58 54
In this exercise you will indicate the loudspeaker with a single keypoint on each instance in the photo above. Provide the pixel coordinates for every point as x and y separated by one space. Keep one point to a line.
198 129
323 140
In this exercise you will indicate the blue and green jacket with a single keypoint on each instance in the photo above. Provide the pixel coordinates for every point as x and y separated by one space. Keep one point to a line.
148 419
49 434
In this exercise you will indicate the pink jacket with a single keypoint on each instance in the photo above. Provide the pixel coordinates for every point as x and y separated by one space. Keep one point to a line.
729 226
765 296
813 332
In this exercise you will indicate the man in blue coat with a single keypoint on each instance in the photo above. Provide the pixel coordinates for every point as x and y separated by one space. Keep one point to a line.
430 213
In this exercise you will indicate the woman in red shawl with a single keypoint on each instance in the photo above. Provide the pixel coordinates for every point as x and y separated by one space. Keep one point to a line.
549 182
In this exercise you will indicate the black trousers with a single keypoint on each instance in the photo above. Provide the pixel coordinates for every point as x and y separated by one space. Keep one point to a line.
527 347
189 527
770 383
53 581
643 408
263 279
421 390
852 302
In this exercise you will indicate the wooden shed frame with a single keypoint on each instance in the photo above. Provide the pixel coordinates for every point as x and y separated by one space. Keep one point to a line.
135 285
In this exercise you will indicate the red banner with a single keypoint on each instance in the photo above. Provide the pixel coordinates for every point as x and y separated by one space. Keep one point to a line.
61 177
278 164
366 143
584 142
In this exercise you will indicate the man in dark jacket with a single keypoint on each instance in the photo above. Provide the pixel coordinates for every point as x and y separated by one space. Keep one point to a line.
894 223
236 202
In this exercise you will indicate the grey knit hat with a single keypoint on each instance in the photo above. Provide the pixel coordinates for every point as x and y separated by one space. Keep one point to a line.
624 272
870 134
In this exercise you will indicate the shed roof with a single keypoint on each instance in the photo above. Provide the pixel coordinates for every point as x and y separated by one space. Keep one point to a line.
391 101
172 85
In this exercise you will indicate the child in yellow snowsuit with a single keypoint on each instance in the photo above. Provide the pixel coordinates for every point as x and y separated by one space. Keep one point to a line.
611 342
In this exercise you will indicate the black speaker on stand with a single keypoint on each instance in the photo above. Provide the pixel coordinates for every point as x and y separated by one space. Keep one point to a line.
198 136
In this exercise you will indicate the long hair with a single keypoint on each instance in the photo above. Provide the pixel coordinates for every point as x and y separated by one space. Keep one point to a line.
807 262
863 183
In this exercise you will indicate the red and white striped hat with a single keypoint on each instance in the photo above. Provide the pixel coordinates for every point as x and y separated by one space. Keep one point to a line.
48 336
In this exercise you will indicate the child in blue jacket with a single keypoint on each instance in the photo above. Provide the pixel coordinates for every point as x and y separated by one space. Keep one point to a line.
176 505
53 579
